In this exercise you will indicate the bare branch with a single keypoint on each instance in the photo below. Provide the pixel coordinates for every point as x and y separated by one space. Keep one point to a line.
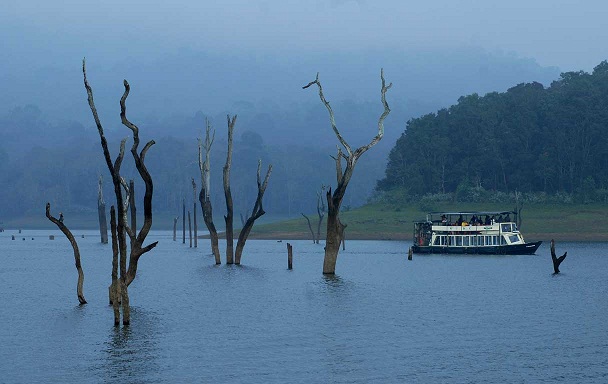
331 114
383 116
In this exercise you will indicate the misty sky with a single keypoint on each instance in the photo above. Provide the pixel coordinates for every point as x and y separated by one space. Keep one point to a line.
190 55
569 34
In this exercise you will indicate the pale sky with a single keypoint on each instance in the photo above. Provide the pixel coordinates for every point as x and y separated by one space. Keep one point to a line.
569 34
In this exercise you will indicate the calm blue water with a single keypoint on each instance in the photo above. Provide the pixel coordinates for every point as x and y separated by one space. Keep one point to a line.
383 319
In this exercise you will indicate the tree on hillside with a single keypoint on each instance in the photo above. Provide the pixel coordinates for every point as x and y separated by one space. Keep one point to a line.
119 290
529 138
335 229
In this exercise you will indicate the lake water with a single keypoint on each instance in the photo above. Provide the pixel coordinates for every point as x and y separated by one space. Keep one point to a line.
382 318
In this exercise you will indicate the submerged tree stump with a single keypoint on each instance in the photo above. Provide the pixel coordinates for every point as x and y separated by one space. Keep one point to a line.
556 260
409 254
72 240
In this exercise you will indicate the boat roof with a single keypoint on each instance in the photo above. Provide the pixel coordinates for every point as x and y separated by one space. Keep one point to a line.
468 213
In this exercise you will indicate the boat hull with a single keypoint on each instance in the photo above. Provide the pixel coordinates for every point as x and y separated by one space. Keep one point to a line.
516 249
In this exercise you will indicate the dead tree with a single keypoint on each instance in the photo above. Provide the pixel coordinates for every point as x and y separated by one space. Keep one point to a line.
256 213
519 205
335 229
114 290
175 228
68 234
194 212
320 212
204 196
190 229
556 260
314 239
137 238
101 212
228 218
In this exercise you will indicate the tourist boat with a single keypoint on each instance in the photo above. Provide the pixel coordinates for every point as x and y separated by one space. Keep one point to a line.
486 233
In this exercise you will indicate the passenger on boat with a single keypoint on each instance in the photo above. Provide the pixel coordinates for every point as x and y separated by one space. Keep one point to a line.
444 220
508 218
487 221
459 221
500 219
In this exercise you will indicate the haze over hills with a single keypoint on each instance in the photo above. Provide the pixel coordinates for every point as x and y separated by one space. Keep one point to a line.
278 121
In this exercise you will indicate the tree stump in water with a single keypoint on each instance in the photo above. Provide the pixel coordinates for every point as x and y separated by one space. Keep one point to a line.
556 260
289 256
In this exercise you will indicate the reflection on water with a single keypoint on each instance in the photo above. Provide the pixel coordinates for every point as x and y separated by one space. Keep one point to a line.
130 354
381 319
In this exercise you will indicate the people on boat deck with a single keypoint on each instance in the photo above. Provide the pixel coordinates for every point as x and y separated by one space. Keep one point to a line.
508 218
459 221
500 219
487 220
444 219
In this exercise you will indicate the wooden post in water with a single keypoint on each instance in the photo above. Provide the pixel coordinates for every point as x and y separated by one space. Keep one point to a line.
409 254
289 256
190 229
175 228
184 221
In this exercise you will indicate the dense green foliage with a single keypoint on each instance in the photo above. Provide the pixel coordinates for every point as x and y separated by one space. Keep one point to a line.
530 139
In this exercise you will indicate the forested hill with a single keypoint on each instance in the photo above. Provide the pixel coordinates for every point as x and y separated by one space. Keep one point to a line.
529 138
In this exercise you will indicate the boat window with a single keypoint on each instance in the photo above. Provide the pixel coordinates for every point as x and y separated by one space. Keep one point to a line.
473 240
436 241
465 240
488 240
479 240
443 240
503 240
494 240
505 227
458 240
513 238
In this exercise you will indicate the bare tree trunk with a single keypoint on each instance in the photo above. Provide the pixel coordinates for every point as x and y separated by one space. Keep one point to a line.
183 221
175 228
320 212
133 208
68 234
190 229
556 260
195 229
257 212
228 218
335 229
289 256
314 240
101 212
114 288
194 212
519 205
204 196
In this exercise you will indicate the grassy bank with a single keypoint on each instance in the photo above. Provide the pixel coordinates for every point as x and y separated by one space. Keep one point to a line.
540 222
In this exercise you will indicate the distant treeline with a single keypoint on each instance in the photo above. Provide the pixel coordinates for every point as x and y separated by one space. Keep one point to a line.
530 139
